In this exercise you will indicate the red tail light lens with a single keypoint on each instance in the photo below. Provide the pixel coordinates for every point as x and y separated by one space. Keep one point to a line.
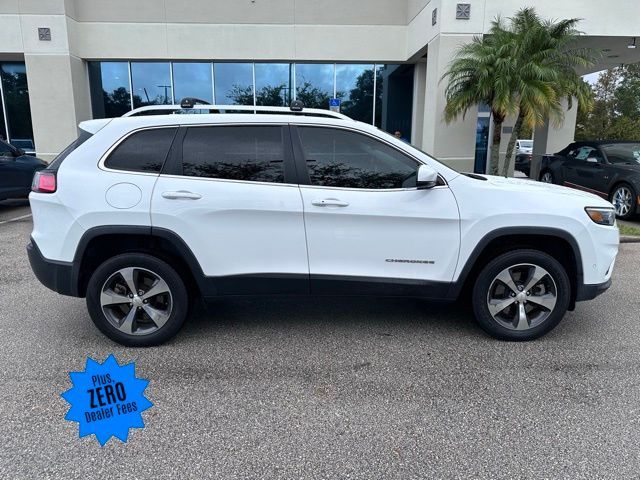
44 182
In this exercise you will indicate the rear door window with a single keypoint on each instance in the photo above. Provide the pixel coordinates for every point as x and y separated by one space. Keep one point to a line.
252 153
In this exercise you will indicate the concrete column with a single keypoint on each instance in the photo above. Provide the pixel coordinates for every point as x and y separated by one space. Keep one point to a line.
453 144
548 139
56 106
417 112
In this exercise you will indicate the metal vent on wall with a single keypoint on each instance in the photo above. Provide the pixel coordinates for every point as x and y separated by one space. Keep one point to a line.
463 11
434 16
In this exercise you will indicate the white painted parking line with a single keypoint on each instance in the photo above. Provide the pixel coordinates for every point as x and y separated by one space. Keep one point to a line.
14 219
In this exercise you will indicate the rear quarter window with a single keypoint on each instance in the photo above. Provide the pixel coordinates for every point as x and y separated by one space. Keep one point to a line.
142 151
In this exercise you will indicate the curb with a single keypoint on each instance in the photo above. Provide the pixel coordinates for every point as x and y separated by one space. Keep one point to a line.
629 239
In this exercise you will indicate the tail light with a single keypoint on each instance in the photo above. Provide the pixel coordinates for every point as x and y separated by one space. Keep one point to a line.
44 182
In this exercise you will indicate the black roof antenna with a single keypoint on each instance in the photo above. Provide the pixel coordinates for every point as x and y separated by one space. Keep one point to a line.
190 102
296 106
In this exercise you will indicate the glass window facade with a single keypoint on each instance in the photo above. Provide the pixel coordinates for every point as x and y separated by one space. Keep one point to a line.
314 84
379 94
274 84
193 80
354 87
234 83
16 113
110 89
151 83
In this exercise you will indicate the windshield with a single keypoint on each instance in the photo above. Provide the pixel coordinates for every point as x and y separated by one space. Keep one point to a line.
622 153
526 143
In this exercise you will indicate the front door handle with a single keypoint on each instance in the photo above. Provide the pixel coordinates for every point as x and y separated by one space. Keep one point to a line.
181 194
329 202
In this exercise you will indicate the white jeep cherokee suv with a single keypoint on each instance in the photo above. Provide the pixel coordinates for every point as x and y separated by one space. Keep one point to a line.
143 213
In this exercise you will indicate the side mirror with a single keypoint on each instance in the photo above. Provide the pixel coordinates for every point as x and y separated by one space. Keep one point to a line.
19 152
427 177
592 160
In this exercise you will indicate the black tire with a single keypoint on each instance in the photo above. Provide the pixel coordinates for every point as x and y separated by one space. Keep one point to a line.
547 172
179 300
485 281
634 195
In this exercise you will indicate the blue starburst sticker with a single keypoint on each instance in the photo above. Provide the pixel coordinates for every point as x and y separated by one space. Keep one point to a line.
107 399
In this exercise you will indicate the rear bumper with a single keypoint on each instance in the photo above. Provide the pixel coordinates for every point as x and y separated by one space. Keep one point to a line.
589 292
57 276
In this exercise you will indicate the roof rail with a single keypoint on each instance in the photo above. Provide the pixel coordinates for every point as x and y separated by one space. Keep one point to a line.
194 104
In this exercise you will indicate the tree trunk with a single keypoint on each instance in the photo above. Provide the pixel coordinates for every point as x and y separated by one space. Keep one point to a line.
495 145
512 143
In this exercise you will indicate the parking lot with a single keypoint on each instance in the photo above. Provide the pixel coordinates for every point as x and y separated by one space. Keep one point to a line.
327 388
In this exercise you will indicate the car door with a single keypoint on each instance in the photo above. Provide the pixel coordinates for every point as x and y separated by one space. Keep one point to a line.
584 169
369 228
229 193
9 173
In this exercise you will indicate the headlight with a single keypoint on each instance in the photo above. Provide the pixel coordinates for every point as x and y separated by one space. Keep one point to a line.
602 216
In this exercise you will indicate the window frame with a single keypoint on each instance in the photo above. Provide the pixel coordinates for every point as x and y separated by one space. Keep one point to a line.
301 164
102 162
174 165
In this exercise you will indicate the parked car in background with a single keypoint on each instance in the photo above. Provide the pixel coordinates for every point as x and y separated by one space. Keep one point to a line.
523 163
16 171
25 144
609 169
524 146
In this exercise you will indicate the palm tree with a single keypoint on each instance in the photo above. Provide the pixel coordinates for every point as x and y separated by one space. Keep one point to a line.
546 66
527 66
481 73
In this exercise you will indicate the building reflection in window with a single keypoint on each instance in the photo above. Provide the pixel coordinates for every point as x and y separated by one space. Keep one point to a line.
193 80
314 84
151 82
273 84
234 83
16 104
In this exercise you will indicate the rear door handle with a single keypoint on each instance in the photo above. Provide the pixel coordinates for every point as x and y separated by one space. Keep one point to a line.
181 194
329 202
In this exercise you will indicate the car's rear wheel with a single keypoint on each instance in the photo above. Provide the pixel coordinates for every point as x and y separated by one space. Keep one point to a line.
546 176
137 300
521 295
624 199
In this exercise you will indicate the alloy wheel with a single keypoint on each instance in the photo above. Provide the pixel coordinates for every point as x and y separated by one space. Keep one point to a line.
622 201
522 296
546 177
136 301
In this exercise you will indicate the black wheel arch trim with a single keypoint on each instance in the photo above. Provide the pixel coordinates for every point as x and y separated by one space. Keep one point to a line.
175 239
457 286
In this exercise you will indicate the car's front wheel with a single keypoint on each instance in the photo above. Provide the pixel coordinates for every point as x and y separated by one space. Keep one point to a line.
546 176
521 295
137 300
624 200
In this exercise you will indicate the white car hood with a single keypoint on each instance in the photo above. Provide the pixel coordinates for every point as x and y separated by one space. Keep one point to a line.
524 186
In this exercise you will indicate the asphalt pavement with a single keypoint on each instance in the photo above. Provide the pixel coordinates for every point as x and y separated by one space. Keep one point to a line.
327 388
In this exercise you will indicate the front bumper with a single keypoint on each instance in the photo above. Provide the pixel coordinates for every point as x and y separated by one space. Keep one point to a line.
57 276
589 292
